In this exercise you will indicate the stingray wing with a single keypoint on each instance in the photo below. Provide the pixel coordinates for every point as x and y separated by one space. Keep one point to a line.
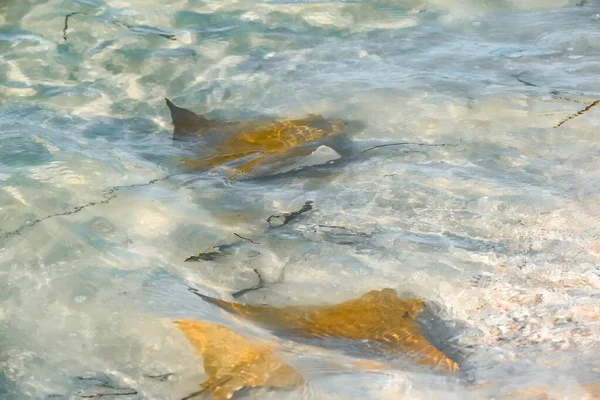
212 160
264 164
233 362
273 317
185 122
273 163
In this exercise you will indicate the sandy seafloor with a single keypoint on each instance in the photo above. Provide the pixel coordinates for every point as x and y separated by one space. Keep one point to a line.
501 231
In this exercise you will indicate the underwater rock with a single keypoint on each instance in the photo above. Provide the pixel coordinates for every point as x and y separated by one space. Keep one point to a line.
582 391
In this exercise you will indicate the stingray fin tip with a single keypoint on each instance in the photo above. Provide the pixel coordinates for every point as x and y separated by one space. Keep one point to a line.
203 296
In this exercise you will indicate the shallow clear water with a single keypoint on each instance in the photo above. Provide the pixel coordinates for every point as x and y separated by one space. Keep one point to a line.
500 231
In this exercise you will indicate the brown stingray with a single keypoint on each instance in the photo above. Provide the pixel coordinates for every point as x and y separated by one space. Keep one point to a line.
379 315
264 143
233 362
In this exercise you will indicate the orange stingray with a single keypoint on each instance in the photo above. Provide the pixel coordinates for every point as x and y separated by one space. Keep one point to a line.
379 315
233 362
264 142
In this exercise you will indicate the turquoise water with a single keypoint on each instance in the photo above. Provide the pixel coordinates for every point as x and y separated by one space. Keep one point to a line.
500 230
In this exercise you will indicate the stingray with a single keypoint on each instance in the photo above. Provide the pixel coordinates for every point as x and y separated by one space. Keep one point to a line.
260 147
233 362
379 316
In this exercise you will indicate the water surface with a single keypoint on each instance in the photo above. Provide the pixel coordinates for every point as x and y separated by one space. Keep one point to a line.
501 231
